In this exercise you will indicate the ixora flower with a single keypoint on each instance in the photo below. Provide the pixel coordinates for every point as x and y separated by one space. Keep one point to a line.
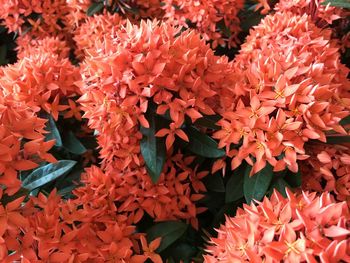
126 71
28 45
172 197
42 16
300 228
327 169
22 144
216 20
96 27
321 15
50 229
290 88
41 81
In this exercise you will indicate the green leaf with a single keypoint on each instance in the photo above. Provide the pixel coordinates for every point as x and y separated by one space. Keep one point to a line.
153 148
73 145
3 53
203 145
9 198
338 139
67 191
47 173
53 131
337 3
234 186
208 122
280 185
169 232
214 182
293 179
256 186
94 8
345 121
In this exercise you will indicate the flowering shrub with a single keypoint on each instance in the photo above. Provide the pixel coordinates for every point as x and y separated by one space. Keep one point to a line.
328 170
125 139
285 94
216 20
300 228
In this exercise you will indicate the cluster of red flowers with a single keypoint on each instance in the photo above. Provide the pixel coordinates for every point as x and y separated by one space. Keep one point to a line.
216 20
278 100
21 141
122 75
300 228
327 169
48 228
290 88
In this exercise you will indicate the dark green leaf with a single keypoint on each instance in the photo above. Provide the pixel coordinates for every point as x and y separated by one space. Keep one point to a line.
153 148
337 139
256 186
67 191
293 179
208 122
47 173
251 19
214 182
94 8
203 145
183 252
234 186
280 185
9 198
3 53
345 121
73 145
337 3
53 132
169 232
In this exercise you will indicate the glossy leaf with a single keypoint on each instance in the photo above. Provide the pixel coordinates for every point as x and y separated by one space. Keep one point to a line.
53 131
256 186
234 186
153 148
202 144
214 182
280 185
169 232
47 173
337 3
94 8
73 145
293 179
208 122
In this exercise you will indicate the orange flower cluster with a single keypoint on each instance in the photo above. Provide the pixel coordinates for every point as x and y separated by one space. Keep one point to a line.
290 88
321 15
216 20
42 79
133 10
22 143
48 229
170 198
122 75
300 228
97 28
42 15
30 46
328 169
